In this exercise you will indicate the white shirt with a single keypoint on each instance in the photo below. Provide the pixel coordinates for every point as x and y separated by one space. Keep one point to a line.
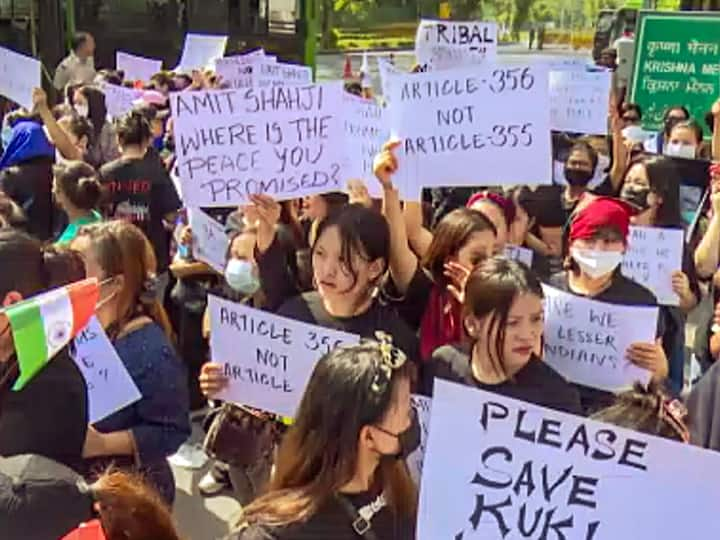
73 70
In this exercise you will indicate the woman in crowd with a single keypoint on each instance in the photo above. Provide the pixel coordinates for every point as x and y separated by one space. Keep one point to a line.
685 140
145 433
349 260
50 415
652 188
648 409
80 133
77 192
596 243
141 191
343 458
672 116
499 210
316 208
429 294
503 320
89 102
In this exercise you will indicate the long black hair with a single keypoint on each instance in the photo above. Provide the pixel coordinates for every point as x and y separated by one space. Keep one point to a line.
97 110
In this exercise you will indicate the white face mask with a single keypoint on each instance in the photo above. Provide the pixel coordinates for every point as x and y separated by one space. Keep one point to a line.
82 110
680 150
240 276
596 263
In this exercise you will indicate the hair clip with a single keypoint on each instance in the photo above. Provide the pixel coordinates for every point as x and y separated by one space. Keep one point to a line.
675 412
391 358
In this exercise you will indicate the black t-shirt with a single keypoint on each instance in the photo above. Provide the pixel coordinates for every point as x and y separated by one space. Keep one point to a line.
624 292
309 308
333 522
412 305
49 416
535 383
141 192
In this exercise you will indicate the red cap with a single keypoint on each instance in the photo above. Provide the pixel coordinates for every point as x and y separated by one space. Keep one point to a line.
600 212
505 204
92 530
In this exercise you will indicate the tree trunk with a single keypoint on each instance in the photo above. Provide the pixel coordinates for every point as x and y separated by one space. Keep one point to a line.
326 23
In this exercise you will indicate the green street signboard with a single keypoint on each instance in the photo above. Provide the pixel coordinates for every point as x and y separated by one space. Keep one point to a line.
677 62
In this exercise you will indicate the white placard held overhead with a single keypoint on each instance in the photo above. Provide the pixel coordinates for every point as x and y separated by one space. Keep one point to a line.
210 243
652 255
579 101
501 469
119 100
110 386
272 367
586 340
201 51
137 68
520 254
19 75
472 126
366 131
267 74
285 141
449 44
422 406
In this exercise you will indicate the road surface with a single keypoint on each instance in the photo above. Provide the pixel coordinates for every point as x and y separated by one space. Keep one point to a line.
208 519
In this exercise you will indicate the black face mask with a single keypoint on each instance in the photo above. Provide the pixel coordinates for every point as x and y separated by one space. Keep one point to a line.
578 177
409 439
636 196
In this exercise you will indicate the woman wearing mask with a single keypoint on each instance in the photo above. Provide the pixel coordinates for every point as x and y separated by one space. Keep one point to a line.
672 116
145 433
89 102
652 188
503 319
344 457
349 259
77 192
596 244
684 141
430 292
49 416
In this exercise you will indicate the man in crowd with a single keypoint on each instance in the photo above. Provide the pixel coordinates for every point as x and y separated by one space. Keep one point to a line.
79 66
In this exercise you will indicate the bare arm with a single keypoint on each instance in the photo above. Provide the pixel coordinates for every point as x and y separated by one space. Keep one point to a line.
418 236
620 154
57 134
716 130
403 262
707 254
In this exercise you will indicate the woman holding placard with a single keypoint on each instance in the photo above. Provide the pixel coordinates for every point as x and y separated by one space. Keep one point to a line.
340 472
349 260
430 293
652 188
89 102
503 319
596 243
144 434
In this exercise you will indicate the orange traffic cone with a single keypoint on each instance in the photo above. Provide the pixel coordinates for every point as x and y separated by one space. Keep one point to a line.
347 71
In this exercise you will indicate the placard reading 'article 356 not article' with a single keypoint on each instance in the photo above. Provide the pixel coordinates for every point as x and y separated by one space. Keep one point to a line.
284 141
472 126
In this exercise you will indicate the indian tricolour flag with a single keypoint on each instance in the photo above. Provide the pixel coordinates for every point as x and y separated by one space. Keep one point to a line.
44 324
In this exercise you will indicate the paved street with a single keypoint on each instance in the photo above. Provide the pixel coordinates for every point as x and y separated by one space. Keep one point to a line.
207 519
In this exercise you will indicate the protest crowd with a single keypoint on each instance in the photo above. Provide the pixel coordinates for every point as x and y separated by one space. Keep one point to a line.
456 308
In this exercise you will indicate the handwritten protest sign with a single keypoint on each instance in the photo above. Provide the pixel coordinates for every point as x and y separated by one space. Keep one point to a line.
19 75
237 71
277 357
366 130
110 386
422 406
286 141
652 255
520 254
267 74
137 68
210 243
448 44
579 101
200 51
523 471
472 126
119 100
586 340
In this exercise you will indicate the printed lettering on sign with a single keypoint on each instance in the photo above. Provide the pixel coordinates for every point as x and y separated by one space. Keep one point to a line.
272 368
460 127
285 141
586 340
449 44
519 471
